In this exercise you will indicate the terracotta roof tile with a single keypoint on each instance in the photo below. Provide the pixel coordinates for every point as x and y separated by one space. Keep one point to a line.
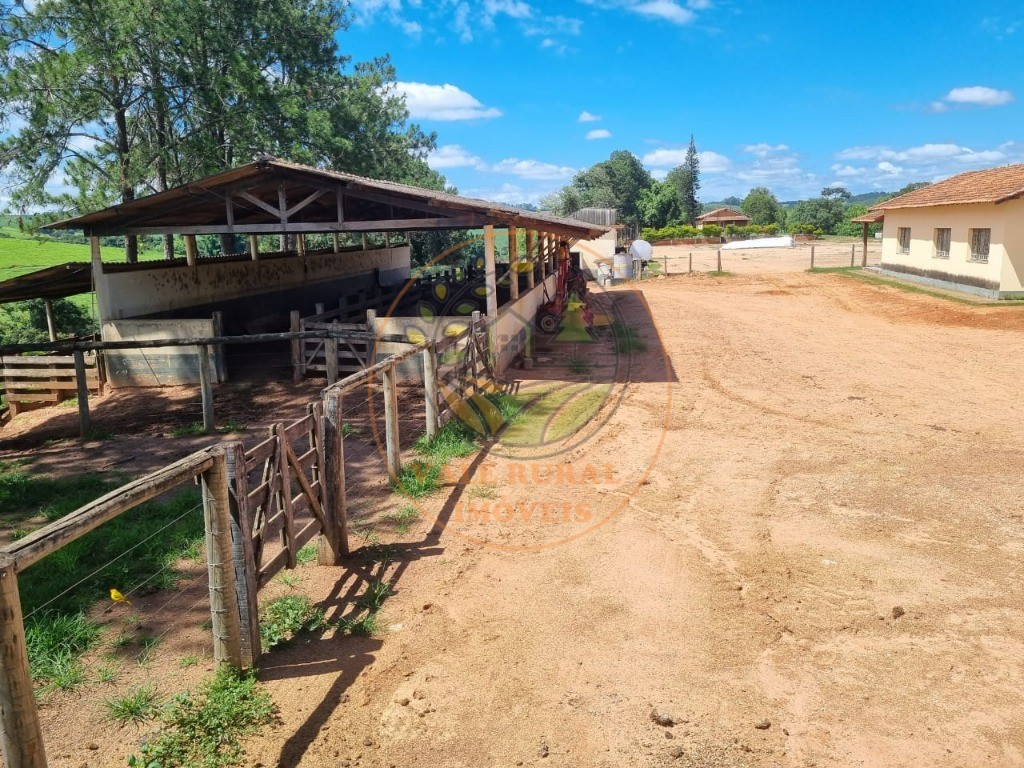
992 185
729 214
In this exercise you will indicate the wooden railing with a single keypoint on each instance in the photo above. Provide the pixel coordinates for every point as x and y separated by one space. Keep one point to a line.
48 379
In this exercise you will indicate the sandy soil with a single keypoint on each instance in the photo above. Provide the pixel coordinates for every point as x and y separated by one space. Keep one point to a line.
806 552
704 258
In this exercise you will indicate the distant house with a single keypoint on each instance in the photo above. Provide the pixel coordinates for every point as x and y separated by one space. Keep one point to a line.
966 233
723 217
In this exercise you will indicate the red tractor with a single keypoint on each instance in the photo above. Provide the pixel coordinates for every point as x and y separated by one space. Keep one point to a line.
571 282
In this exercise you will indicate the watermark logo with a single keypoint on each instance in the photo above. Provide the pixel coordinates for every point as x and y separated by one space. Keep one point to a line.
536 449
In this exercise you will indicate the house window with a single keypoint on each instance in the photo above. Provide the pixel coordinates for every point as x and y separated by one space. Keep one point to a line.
942 243
980 239
903 240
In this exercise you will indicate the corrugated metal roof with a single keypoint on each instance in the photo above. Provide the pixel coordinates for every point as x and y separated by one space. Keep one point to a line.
56 282
992 185
201 198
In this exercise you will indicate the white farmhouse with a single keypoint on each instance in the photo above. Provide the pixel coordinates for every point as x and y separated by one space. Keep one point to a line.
965 233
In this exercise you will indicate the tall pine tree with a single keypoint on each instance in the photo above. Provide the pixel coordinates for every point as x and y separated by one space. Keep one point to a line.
686 179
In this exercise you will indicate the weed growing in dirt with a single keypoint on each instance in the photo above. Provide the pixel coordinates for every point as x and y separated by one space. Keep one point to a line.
190 660
149 645
627 339
202 729
100 433
289 579
483 491
108 673
453 441
55 642
374 596
23 495
188 430
418 479
404 517
66 674
307 554
232 425
136 707
347 430
364 626
510 406
578 364
285 617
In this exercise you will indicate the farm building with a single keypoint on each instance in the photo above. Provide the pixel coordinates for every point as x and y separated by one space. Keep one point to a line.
360 262
723 217
965 233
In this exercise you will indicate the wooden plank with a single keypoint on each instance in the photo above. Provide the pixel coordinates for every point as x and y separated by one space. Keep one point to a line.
224 612
297 360
258 454
288 529
379 225
242 554
333 472
22 735
37 386
52 537
298 428
312 496
270 570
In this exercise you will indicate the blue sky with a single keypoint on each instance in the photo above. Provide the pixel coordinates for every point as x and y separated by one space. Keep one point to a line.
793 96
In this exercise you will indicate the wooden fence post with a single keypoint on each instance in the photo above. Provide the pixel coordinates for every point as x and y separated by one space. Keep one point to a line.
666 265
242 555
22 736
206 385
295 325
83 392
812 257
719 259
430 389
691 262
853 253
331 354
334 475
224 608
391 421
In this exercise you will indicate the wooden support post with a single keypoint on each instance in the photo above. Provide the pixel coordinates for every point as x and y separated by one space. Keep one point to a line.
387 239
83 392
542 255
243 556
334 475
22 736
490 273
853 253
319 307
363 239
227 243
513 262
812 257
298 366
206 385
864 253
300 244
719 259
227 628
392 437
532 257
254 247
331 355
336 238
220 373
51 324
430 390
191 251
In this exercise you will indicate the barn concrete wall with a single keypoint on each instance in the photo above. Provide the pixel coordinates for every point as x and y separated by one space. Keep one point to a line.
515 324
254 296
161 367
594 251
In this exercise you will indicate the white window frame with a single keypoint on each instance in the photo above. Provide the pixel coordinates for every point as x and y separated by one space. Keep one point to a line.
976 249
901 234
937 240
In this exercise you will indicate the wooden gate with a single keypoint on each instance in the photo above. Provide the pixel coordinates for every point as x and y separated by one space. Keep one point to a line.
46 379
352 354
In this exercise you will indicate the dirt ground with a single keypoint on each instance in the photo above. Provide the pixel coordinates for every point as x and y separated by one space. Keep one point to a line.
793 530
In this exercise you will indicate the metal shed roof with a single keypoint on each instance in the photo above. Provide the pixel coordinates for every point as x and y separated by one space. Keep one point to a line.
56 282
275 196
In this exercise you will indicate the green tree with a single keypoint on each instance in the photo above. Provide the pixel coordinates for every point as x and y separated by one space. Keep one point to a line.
660 205
763 207
24 322
686 179
618 182
127 97
824 212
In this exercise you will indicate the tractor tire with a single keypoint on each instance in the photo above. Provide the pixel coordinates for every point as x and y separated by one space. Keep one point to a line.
548 322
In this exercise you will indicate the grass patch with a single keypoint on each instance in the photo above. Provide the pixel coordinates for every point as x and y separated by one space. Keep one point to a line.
720 273
483 491
100 433
404 517
285 617
364 626
530 427
873 279
453 441
188 430
579 364
510 406
136 707
202 729
374 596
23 496
308 554
577 413
418 479
627 338
347 430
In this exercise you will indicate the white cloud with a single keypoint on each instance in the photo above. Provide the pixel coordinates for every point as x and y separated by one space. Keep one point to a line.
443 102
699 5
886 167
846 171
533 169
763 149
512 8
664 158
980 96
462 24
669 10
587 117
454 156
712 162
598 133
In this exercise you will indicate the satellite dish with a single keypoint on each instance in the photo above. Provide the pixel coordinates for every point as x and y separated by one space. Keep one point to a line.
642 250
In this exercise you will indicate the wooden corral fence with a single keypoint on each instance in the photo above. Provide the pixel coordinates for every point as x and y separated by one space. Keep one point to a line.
49 379
330 357
261 504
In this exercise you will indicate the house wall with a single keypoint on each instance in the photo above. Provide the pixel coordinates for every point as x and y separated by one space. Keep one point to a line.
1001 274
246 291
